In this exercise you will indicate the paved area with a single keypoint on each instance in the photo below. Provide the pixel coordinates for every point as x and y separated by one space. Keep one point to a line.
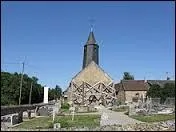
92 113
109 117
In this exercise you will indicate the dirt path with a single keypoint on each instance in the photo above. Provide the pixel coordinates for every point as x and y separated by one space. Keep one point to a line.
109 117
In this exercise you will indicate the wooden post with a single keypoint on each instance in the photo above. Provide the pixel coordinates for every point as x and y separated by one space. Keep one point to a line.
83 95
30 94
54 113
21 83
73 112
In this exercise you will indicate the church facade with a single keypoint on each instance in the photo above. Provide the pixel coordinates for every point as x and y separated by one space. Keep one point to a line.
91 86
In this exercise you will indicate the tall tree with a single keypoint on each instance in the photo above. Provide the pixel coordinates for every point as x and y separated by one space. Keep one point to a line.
10 85
55 93
58 91
127 76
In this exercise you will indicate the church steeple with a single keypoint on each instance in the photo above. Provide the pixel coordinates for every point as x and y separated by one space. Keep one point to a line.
91 38
90 50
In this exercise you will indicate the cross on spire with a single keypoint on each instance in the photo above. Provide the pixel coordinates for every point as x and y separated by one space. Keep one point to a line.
91 21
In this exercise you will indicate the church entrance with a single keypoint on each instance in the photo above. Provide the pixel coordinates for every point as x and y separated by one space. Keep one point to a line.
92 99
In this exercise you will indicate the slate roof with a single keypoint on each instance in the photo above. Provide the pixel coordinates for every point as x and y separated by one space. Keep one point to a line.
160 82
91 38
132 85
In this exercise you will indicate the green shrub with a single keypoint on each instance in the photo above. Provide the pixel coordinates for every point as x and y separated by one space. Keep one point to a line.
50 125
154 118
65 106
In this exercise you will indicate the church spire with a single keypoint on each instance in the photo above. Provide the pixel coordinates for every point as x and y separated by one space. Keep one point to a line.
91 38
90 50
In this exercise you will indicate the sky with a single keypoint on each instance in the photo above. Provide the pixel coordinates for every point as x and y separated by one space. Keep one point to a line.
136 37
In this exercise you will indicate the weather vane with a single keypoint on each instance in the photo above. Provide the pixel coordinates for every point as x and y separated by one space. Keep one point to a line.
91 21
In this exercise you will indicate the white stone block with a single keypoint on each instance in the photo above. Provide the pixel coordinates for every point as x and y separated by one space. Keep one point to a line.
45 100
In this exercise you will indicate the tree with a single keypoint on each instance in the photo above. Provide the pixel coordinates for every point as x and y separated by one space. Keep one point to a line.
55 93
168 78
58 91
155 91
10 85
51 94
167 91
127 76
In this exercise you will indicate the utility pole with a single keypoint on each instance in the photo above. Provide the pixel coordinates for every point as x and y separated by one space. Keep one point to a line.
21 83
30 94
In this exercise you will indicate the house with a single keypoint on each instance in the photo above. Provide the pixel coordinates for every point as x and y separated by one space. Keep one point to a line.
131 90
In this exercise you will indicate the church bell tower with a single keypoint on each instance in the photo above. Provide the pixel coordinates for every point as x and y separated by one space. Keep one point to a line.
90 51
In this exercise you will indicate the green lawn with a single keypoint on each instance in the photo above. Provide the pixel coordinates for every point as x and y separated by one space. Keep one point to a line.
120 110
66 122
154 118
64 110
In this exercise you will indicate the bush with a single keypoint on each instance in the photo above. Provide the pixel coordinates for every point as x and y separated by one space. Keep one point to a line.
50 125
135 99
155 91
65 106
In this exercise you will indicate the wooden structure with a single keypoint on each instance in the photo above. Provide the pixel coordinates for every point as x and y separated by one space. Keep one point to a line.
96 94
92 86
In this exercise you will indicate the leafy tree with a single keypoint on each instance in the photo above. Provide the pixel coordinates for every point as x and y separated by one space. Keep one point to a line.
58 91
155 91
55 93
167 91
168 78
127 76
10 89
51 94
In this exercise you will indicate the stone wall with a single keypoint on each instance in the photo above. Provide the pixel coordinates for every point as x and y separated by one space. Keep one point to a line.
5 110
121 96
130 94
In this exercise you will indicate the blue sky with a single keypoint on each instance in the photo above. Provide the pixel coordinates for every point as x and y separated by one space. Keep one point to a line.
137 37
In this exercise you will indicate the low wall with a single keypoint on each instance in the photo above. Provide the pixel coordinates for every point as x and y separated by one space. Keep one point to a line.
6 110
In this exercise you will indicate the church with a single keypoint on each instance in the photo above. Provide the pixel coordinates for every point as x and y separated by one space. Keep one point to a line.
92 85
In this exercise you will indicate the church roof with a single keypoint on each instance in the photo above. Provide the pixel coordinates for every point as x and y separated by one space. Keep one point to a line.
161 83
91 38
132 85
97 66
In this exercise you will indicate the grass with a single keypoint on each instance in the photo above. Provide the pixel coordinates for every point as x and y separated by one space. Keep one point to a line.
65 121
80 121
154 118
36 123
65 110
87 111
120 110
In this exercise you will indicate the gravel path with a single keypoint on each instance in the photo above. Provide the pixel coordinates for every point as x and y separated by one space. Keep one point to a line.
109 117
